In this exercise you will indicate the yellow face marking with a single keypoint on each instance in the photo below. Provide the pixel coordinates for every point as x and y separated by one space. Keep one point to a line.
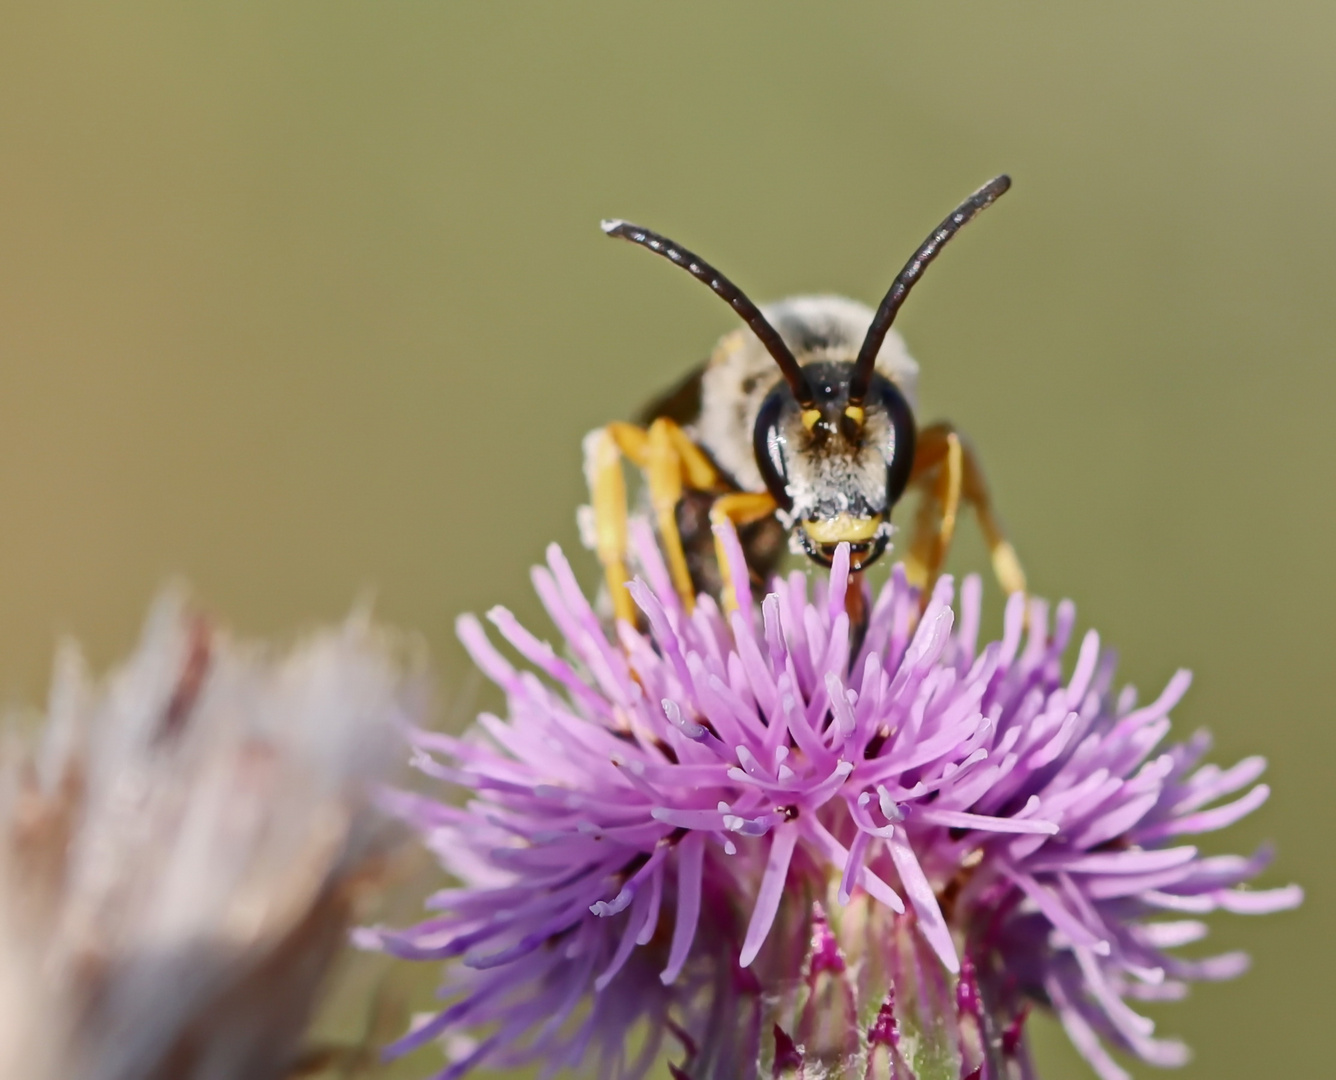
810 418
855 413
844 528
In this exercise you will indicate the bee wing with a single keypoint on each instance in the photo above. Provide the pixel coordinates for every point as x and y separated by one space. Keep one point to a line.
680 403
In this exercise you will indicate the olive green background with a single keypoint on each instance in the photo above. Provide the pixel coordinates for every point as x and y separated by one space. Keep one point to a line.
302 298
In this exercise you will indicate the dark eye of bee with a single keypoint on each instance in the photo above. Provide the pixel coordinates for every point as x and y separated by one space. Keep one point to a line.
900 460
768 445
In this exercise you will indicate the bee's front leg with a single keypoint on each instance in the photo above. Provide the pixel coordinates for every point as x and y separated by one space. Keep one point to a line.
671 463
738 508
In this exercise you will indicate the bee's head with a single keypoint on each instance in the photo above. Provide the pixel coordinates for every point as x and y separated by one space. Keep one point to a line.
835 440
836 467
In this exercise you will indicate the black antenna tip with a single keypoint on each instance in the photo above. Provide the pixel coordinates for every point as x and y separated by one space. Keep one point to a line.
913 270
989 193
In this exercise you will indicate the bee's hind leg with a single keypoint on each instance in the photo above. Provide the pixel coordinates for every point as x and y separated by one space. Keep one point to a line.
671 463
948 472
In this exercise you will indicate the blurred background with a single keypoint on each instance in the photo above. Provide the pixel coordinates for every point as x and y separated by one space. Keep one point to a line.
302 299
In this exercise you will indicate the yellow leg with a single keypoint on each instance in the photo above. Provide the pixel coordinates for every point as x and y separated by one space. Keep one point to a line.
1006 563
741 508
663 476
697 469
607 496
938 469
948 471
671 462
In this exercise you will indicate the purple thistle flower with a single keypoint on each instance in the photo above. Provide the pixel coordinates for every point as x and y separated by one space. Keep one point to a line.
730 830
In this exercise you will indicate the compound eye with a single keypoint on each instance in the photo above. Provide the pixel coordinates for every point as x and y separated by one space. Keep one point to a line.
899 448
768 445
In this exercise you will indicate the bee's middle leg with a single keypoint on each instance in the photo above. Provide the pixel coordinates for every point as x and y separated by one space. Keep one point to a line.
671 463
948 472
938 472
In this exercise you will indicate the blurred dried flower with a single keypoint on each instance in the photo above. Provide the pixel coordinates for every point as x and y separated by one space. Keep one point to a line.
183 847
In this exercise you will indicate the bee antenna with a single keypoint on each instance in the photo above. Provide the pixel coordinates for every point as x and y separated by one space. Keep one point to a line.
928 250
727 291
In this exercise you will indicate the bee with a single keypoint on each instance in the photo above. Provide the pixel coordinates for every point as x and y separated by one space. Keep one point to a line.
800 426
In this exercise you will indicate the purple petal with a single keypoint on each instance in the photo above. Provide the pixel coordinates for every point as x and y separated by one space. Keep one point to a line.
1171 935
924 900
490 662
1262 901
1220 968
839 582
853 865
1056 913
1209 820
634 924
1169 697
739 579
690 859
1114 823
841 709
769 893
955 819
839 856
1082 1035
651 922
1085 669
542 656
1117 862
1211 783
1129 1023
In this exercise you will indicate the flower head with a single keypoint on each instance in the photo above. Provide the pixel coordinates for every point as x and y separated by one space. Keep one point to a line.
791 845
182 846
